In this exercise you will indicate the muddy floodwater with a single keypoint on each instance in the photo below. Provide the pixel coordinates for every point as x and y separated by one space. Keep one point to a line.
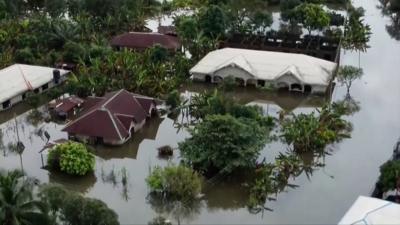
351 169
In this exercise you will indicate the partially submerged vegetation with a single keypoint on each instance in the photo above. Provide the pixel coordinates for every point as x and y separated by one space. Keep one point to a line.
72 158
20 204
176 183
226 137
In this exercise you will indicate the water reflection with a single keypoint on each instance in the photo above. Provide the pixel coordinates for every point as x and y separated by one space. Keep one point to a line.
81 184
227 195
181 212
393 28
130 149
287 101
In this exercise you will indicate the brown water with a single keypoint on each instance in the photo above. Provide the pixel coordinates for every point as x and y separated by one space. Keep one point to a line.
350 171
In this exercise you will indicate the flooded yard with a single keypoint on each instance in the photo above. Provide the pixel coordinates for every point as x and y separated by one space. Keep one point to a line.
351 169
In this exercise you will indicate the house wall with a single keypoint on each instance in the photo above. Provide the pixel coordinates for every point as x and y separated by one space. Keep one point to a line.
138 126
233 71
288 79
18 98
318 89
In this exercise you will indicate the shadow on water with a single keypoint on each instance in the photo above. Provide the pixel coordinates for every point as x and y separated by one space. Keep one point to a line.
130 149
287 101
74 183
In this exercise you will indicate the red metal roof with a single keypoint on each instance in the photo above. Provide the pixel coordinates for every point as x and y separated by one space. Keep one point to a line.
66 104
108 117
142 40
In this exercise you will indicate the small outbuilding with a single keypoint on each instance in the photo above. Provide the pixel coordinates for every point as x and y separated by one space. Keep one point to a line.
111 119
141 41
295 72
18 80
66 106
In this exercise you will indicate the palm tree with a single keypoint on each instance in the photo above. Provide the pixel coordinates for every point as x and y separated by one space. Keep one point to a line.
17 205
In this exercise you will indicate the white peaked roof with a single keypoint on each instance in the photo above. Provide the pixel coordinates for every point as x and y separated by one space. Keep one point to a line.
19 78
370 211
268 65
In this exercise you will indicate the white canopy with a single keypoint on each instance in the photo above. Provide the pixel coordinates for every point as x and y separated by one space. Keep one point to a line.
268 65
369 211
19 78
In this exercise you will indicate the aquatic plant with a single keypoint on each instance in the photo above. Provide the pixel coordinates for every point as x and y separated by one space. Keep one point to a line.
72 158
175 182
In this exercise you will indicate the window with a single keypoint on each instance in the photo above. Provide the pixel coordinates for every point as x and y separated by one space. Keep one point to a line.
261 83
45 87
6 104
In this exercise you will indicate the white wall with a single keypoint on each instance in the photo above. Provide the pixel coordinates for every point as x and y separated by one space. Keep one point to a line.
233 71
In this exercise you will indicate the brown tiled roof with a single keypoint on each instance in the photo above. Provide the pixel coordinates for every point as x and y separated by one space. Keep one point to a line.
143 40
108 117
169 30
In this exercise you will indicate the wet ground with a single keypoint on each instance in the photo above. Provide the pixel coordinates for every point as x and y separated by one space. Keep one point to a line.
351 170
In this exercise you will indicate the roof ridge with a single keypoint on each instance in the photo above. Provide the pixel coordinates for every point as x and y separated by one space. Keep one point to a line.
79 118
111 98
114 124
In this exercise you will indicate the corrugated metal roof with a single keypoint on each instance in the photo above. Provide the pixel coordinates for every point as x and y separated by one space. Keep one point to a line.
268 65
19 78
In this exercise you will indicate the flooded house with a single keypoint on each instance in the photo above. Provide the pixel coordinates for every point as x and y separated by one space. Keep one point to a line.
140 41
20 80
295 72
111 119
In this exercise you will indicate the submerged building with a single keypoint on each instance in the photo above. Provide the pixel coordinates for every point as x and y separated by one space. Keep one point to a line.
111 119
296 72
19 80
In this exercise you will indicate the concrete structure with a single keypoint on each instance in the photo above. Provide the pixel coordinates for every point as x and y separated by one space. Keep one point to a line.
296 72
19 80
369 211
111 119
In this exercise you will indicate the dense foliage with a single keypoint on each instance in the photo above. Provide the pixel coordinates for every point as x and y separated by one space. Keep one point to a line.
390 176
175 182
311 132
72 158
72 208
223 143
356 32
17 203
137 72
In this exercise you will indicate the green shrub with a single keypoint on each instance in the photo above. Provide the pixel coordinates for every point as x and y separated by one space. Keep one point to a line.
390 175
72 158
173 99
175 182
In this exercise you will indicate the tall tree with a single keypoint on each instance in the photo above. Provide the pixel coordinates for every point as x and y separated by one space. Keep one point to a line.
312 16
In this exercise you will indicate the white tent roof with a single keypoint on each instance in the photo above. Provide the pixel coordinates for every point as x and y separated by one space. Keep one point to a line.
19 78
268 65
370 211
